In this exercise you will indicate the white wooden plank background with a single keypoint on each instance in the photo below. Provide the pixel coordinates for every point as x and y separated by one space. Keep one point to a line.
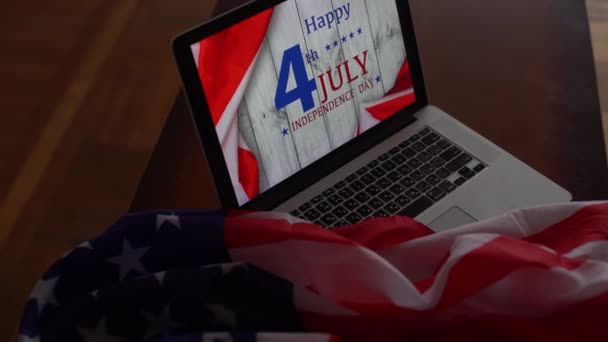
280 157
341 122
312 141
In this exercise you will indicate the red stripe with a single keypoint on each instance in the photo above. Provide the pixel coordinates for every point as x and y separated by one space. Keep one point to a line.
387 109
248 173
241 232
380 233
586 225
404 79
225 58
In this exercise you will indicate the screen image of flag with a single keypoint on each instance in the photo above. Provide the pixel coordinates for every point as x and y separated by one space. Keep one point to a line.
290 85
536 274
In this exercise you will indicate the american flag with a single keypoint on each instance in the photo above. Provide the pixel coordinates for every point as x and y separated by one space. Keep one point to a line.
534 274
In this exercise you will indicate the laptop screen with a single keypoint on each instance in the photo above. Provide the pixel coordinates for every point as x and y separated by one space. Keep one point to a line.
292 84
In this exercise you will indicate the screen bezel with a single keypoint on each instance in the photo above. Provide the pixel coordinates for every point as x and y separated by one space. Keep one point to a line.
311 174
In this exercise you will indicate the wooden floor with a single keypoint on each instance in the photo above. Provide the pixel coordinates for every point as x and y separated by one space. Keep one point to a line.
87 86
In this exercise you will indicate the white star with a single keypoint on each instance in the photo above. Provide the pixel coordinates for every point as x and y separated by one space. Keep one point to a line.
95 294
100 334
86 245
228 268
160 276
129 259
222 316
23 338
172 219
161 324
44 293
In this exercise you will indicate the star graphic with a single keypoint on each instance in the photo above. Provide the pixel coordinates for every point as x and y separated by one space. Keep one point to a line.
228 268
285 132
129 259
378 79
161 324
171 219
160 276
328 47
23 338
352 35
95 294
336 43
344 39
99 334
222 316
360 31
44 293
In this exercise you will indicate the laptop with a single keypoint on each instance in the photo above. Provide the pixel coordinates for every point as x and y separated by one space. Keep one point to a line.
318 108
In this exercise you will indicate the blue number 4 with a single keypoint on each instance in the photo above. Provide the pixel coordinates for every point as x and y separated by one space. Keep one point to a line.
292 59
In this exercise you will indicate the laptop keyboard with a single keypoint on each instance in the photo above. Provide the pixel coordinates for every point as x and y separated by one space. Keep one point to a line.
405 181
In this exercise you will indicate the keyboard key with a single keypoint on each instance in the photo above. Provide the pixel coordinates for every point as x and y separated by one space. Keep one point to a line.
389 165
404 170
424 156
414 163
346 193
381 213
295 213
417 175
434 150
364 211
437 162
460 181
408 153
328 192
423 186
394 150
431 139
417 207
378 172
459 162
351 204
323 207
383 183
335 200
329 219
402 200
464 171
428 169
357 186
398 159
353 218
386 196
384 157
470 174
447 186
479 168
413 193
375 203
367 179
407 182
340 185
433 180
339 211
436 194
394 176
415 137
351 178
392 208
373 190
340 223
363 197
419 147
450 154
305 207
397 189
424 132
316 200
405 144
373 164
444 144
443 173
362 171
312 215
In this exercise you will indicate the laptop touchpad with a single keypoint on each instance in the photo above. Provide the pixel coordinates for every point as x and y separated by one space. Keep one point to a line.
450 219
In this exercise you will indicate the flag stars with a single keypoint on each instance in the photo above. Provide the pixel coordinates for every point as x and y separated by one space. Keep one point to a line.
44 293
327 47
351 35
343 39
172 220
336 43
285 132
378 79
360 31
129 259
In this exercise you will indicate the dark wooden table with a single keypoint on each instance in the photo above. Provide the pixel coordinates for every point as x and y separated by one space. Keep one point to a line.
521 73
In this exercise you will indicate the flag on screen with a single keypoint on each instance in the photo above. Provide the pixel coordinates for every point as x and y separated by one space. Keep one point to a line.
534 274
